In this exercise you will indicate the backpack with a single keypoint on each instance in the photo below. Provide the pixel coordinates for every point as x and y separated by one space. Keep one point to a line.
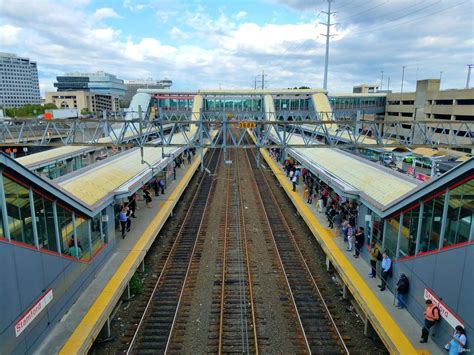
433 313
379 255
403 286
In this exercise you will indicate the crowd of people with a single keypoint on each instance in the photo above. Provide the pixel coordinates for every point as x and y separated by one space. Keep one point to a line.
153 188
341 215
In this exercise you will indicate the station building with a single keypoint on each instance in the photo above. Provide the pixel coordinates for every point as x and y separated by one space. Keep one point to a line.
427 227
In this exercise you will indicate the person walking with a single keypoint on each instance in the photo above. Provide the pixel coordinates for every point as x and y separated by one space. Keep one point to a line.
431 317
359 241
162 184
132 204
337 221
375 255
458 342
123 220
386 270
403 286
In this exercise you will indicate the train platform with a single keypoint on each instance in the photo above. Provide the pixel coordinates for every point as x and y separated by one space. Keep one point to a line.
77 330
399 331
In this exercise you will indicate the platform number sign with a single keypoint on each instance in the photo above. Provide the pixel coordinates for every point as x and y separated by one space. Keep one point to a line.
245 124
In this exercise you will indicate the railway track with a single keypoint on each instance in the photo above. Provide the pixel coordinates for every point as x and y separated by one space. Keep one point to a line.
237 320
317 327
153 333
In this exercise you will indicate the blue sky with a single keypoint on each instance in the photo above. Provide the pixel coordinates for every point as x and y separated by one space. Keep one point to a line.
204 44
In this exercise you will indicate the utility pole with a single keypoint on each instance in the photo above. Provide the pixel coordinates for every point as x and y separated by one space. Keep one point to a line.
328 36
255 82
403 78
468 81
263 75
263 79
440 76
381 81
388 84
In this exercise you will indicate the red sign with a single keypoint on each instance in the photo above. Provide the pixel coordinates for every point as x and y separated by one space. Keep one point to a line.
422 177
444 311
33 312
411 170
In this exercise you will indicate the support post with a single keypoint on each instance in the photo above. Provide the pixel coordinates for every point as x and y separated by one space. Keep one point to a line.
345 292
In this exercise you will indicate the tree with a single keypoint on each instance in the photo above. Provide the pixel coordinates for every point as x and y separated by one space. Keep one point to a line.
29 110
86 111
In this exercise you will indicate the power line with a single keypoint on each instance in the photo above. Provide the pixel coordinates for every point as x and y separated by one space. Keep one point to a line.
364 11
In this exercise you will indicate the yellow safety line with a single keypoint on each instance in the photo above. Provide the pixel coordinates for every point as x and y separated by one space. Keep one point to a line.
386 327
83 336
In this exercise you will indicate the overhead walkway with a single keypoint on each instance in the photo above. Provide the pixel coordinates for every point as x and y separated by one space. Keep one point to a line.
397 329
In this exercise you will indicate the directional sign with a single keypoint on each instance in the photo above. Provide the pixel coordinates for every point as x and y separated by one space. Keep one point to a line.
245 124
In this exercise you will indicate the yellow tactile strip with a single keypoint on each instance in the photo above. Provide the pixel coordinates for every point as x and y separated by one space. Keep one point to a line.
83 336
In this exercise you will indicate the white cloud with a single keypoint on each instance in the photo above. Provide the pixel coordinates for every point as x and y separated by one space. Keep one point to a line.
240 15
9 35
133 6
175 32
105 12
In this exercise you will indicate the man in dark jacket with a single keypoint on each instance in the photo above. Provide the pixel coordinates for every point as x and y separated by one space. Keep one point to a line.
359 241
403 286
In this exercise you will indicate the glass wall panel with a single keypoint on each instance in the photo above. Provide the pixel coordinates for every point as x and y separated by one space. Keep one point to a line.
96 233
391 236
460 210
1 224
45 223
65 229
431 224
19 211
82 230
408 232
377 228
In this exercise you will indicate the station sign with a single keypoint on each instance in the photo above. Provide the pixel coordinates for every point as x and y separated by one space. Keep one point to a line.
444 311
245 124
33 312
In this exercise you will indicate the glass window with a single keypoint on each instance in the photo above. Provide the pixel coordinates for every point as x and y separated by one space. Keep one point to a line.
65 229
82 234
408 232
19 211
431 224
377 228
45 223
391 235
97 233
460 210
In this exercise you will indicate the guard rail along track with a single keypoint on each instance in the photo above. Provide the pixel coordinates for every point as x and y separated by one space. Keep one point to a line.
153 333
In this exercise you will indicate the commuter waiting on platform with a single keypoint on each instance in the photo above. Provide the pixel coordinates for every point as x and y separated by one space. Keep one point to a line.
294 181
350 237
386 270
162 185
147 196
458 342
73 250
123 218
359 241
70 243
375 255
431 317
403 286
132 204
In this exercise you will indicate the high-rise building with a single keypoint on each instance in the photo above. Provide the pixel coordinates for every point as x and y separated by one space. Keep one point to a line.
99 82
133 85
19 83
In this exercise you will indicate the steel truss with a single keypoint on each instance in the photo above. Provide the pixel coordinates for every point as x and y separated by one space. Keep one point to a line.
315 130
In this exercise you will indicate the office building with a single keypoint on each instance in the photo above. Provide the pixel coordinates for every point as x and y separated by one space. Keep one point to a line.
365 89
99 82
19 84
80 100
133 85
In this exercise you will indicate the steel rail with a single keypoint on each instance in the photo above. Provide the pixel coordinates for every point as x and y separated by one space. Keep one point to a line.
287 227
173 248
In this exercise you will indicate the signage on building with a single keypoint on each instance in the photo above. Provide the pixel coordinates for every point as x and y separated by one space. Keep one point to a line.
444 311
422 177
33 312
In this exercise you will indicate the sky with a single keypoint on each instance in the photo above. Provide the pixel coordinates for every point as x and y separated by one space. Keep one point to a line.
203 44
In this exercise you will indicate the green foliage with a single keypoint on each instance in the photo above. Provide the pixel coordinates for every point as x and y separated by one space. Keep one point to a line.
136 285
86 111
29 110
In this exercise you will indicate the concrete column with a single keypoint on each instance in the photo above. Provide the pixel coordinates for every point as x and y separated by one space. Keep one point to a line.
328 264
56 227
418 231
443 219
106 332
345 292
33 218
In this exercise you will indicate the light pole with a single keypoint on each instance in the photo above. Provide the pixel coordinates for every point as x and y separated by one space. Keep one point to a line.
381 81
469 67
403 78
